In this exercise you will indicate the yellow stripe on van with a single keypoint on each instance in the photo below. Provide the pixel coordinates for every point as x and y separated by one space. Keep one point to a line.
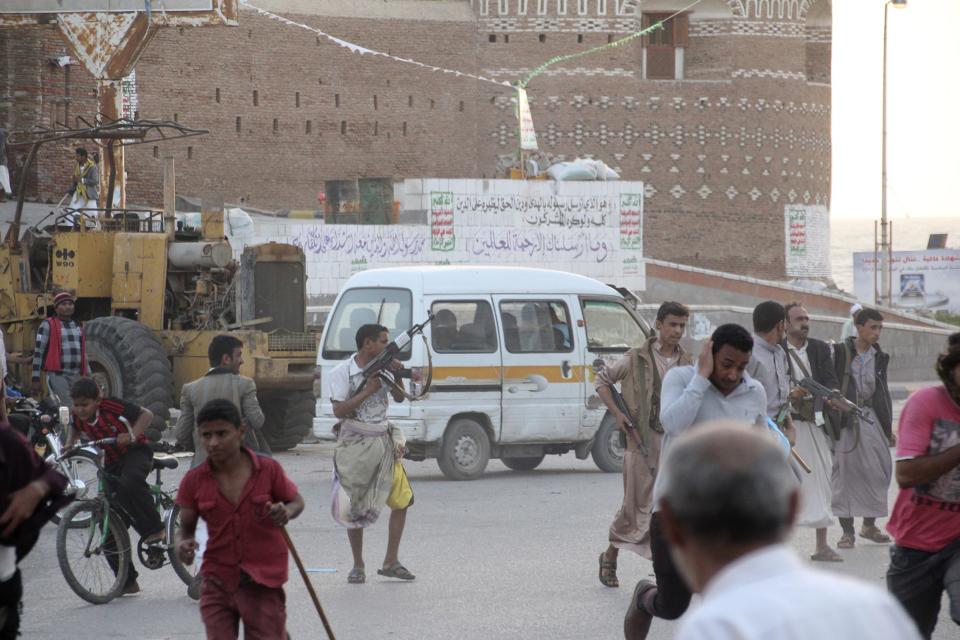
492 375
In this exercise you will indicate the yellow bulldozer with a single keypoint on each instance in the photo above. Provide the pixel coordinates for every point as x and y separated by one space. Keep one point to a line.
152 292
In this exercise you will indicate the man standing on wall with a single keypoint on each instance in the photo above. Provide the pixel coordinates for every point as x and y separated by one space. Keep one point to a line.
85 184
60 350
925 523
640 373
810 358
716 387
862 466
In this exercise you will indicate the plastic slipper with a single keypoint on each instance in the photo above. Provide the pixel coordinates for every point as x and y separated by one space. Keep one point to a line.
827 555
356 576
874 535
396 570
608 572
846 541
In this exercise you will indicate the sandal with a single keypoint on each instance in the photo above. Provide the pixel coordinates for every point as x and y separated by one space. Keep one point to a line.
357 576
608 572
826 555
396 570
846 541
874 535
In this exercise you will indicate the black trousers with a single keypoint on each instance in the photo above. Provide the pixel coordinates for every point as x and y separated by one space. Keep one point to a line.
918 579
128 482
672 596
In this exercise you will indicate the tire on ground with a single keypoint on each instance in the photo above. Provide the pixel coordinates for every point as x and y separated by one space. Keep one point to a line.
128 361
522 464
607 452
465 450
289 417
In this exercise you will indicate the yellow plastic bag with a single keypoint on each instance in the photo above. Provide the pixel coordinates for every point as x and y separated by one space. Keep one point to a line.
401 495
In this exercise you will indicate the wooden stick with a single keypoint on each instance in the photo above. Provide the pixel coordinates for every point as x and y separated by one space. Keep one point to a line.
800 461
306 580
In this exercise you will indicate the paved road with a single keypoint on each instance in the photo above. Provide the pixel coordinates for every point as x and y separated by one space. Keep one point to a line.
513 555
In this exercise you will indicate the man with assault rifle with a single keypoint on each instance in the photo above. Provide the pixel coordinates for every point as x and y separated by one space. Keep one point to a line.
367 471
640 373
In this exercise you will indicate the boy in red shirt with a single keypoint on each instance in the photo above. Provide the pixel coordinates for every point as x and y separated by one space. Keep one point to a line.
244 498
925 522
127 463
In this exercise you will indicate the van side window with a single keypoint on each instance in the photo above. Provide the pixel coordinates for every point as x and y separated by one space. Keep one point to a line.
610 327
536 326
463 326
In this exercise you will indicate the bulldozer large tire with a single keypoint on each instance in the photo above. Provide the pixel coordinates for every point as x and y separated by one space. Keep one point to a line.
128 362
289 417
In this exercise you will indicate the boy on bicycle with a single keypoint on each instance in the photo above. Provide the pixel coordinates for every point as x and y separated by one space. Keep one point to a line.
127 463
244 498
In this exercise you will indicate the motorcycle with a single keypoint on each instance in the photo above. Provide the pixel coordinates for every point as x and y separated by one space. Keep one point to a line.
44 424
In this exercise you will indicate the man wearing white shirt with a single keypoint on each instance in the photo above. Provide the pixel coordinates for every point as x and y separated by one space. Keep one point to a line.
728 503
716 387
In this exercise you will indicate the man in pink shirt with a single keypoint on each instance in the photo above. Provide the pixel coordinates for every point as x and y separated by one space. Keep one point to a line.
925 524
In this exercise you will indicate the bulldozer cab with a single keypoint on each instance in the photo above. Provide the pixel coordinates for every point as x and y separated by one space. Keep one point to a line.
152 293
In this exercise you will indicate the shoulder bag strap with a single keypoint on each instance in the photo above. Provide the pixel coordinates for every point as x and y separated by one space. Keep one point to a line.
795 358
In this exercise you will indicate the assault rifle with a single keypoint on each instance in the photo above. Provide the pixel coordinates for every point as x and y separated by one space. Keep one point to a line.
817 390
632 428
378 366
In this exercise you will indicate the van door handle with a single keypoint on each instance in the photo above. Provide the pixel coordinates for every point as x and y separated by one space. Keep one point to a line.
532 383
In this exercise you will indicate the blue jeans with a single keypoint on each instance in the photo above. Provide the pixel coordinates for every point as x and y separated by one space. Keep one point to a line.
918 579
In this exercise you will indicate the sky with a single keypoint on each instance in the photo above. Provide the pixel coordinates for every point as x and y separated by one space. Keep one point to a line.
923 109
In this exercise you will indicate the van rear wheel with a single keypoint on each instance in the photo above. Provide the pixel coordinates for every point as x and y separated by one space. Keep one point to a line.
522 464
607 451
465 451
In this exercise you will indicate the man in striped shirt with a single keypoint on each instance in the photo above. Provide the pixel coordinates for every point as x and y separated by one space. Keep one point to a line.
60 350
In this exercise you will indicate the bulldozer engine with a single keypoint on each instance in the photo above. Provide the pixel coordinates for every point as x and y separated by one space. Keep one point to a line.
201 280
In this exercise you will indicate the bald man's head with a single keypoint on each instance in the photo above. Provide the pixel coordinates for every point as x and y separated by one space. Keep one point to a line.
727 483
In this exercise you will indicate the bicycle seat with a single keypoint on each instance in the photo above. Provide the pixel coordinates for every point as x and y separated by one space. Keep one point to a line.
163 461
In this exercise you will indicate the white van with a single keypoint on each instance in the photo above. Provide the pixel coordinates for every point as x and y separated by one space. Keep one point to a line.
513 354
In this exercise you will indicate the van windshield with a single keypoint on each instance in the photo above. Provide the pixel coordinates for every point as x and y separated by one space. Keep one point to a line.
610 327
390 307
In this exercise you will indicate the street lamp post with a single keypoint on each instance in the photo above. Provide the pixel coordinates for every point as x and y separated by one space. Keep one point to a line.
884 296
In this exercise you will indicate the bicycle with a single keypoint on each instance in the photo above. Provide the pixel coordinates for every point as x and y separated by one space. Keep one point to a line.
93 545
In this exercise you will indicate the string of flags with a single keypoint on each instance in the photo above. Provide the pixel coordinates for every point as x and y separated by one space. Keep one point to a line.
528 140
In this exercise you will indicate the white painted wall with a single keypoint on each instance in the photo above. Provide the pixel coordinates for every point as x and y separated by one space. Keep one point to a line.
590 228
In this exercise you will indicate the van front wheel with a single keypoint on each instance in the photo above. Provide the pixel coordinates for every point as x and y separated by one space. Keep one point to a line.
607 451
465 452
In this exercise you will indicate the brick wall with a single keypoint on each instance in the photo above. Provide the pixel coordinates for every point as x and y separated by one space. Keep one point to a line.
720 153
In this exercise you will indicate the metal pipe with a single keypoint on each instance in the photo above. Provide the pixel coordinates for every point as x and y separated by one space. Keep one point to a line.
13 235
885 247
112 180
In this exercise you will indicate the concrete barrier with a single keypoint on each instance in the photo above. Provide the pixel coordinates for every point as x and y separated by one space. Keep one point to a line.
913 350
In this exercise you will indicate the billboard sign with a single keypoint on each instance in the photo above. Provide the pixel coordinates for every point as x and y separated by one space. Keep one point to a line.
926 280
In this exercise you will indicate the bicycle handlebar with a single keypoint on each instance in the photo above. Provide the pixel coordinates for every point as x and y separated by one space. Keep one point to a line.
99 444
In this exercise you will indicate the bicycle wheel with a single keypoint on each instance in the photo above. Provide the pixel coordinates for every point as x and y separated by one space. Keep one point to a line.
184 572
95 558
82 469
